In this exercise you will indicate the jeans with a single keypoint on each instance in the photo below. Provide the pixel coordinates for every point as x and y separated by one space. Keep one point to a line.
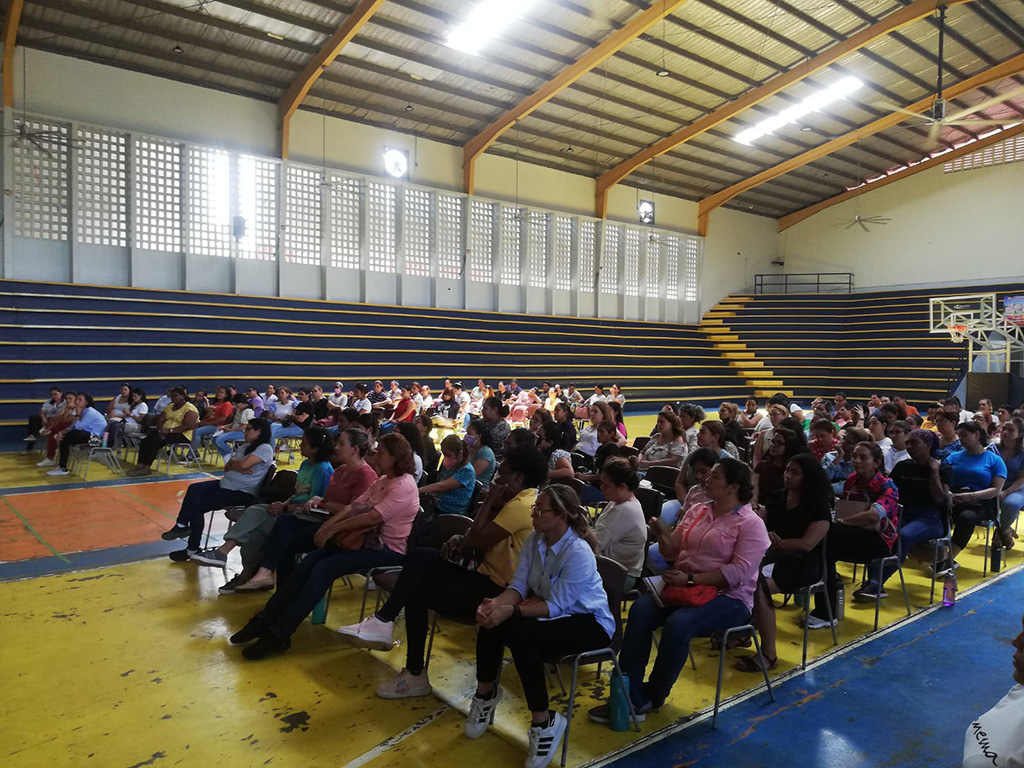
670 512
297 597
221 441
276 431
200 432
655 562
531 641
919 525
680 626
289 538
431 583
591 495
1009 508
204 497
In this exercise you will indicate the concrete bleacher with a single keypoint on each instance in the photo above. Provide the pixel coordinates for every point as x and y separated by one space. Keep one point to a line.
862 343
93 338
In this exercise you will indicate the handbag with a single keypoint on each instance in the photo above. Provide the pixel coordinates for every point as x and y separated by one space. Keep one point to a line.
686 596
366 536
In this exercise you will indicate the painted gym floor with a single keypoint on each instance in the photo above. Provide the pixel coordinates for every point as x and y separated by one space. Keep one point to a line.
116 656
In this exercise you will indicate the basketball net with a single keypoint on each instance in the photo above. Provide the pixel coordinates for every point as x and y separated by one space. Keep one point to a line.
957 333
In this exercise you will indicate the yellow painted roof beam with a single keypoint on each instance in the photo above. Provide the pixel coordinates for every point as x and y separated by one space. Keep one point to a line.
12 19
985 77
797 216
297 91
890 23
591 59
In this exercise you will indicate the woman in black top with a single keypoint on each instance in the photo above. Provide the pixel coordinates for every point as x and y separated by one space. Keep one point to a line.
563 418
607 446
797 517
923 484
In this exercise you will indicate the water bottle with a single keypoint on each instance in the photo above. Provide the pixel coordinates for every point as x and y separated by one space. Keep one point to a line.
996 559
949 590
106 438
320 611
840 604
618 704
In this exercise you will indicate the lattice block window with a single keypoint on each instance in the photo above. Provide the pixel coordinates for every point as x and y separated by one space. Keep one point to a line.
416 231
563 253
257 204
588 248
631 262
302 216
481 241
691 268
1009 151
610 259
381 236
538 249
346 221
158 195
671 250
511 244
654 247
102 179
41 181
450 250
209 201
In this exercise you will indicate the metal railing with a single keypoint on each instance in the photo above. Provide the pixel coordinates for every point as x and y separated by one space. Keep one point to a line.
805 282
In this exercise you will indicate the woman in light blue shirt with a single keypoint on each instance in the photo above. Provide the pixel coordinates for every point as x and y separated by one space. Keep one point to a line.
555 606
90 424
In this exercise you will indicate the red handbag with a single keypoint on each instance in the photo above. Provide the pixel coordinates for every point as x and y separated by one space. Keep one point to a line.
689 597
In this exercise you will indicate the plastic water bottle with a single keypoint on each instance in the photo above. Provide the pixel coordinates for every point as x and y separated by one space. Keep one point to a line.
320 611
840 604
949 590
618 705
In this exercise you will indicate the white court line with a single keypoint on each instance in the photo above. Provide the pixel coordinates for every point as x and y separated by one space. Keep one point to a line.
397 739
705 715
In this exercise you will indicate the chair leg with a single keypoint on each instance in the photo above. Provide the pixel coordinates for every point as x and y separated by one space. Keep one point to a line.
721 674
209 530
430 643
878 604
807 616
831 618
693 661
764 666
984 562
903 584
320 611
569 711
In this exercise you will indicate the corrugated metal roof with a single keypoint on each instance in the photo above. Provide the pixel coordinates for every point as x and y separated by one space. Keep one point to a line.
714 51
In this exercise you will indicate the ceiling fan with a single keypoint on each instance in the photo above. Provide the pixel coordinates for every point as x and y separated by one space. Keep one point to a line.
35 139
858 219
936 116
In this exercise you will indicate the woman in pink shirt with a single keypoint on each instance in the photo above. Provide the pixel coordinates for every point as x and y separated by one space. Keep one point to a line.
720 544
391 502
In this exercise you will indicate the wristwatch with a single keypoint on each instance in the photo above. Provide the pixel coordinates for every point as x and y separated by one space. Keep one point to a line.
689 580
517 611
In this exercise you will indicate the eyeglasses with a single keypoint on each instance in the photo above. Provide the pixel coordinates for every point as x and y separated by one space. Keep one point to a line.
539 509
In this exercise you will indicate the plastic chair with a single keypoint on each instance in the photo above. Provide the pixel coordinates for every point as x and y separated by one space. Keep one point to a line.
640 442
650 500
664 479
880 563
721 665
820 586
940 546
233 513
182 454
580 461
572 482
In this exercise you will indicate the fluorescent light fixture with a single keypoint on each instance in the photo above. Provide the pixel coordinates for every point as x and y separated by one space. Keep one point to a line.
487 19
813 103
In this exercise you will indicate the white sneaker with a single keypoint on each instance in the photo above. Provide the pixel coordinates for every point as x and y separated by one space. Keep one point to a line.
813 622
481 714
47 463
405 686
371 632
58 472
544 742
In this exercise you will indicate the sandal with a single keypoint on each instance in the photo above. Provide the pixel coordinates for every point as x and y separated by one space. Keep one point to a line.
752 664
1006 537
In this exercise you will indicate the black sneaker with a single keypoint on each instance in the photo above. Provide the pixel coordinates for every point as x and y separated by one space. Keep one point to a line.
869 592
177 532
182 555
268 645
256 627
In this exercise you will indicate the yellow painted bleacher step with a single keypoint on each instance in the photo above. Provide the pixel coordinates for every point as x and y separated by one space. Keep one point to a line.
723 337
745 364
735 300
712 321
713 313
738 355
770 392
765 383
756 375
738 345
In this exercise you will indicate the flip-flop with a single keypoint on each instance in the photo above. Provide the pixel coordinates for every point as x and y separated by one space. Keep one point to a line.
753 664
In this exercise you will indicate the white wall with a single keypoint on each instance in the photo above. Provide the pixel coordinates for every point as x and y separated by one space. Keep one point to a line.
965 226
738 245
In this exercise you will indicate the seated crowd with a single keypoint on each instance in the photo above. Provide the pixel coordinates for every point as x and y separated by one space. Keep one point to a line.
756 503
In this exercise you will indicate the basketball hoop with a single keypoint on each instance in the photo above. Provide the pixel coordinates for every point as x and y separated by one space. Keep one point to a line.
957 333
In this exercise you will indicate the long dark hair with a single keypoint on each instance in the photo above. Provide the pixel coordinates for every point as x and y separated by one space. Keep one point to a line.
815 489
263 427
322 441
414 437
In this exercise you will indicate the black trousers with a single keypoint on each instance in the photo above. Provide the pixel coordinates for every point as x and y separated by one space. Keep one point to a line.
430 583
850 545
531 641
966 517
35 423
154 441
70 438
289 538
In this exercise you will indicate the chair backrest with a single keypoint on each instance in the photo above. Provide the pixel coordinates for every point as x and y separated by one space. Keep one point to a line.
282 486
572 482
579 460
613 577
474 499
663 478
628 450
443 528
650 500
267 480
641 442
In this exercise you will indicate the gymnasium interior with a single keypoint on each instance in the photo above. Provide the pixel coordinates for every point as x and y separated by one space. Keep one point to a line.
698 201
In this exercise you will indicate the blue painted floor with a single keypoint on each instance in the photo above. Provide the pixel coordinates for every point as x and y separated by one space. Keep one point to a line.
904 699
